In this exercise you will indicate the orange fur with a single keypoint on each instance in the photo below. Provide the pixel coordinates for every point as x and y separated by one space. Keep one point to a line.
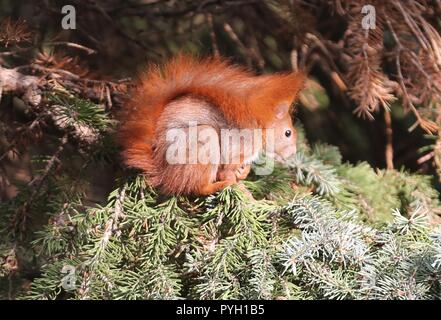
244 100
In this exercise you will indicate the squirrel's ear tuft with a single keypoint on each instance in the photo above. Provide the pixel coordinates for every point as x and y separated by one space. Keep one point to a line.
275 93
289 85
282 87
281 110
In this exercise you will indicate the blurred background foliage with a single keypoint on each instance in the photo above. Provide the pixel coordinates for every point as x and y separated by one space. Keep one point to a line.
263 35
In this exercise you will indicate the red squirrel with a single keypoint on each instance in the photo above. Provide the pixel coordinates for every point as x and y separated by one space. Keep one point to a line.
214 96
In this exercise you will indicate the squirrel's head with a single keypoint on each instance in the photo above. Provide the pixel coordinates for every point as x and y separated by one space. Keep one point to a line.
271 101
284 135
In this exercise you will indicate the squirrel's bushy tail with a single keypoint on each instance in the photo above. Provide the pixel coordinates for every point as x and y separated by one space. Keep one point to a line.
212 79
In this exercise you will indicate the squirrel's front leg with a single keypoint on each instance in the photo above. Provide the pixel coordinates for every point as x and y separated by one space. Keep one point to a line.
233 172
214 187
228 175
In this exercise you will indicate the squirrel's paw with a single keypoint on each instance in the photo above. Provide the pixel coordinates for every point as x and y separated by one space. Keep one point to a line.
216 186
243 171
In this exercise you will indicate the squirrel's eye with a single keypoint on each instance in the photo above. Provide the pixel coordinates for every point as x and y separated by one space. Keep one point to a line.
288 133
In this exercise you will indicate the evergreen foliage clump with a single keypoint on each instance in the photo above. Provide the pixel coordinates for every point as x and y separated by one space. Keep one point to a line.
317 228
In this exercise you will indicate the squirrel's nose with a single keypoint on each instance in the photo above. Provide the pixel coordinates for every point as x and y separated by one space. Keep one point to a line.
289 151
